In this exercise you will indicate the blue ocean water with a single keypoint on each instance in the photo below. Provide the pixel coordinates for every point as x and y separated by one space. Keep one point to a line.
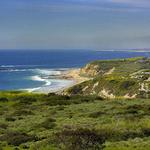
38 69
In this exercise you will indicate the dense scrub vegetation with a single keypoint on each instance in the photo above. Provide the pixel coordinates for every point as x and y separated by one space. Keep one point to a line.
56 122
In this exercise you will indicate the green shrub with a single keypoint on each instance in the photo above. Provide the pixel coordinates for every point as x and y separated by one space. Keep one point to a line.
25 99
48 123
3 126
51 94
17 138
3 99
57 100
127 84
60 108
99 98
96 114
143 94
81 139
146 131
130 134
68 100
10 118
23 113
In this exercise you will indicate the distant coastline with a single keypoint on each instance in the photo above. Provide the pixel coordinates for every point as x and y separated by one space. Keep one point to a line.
126 50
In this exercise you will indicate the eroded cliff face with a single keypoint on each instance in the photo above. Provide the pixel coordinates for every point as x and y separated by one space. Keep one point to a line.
90 70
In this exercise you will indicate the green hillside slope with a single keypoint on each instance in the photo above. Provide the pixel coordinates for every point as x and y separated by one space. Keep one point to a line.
55 122
127 78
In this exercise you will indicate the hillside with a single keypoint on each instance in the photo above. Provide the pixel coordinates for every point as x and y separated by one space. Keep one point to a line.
55 122
126 78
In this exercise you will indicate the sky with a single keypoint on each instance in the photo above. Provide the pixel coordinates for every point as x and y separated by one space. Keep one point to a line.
74 24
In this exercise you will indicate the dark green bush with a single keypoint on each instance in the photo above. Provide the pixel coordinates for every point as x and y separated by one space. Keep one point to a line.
22 112
81 139
99 98
57 100
87 139
132 111
51 94
67 100
77 89
127 84
60 108
3 99
136 109
125 135
10 118
3 126
17 138
25 99
146 131
48 123
96 114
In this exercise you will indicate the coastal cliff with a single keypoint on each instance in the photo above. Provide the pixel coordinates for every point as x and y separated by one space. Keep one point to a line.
127 78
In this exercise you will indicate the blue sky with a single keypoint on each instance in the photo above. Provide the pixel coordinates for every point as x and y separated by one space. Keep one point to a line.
74 24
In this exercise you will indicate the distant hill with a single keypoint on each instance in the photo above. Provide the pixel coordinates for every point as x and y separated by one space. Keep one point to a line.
126 78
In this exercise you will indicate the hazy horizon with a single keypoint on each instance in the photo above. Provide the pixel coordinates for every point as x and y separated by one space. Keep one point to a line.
75 24
76 49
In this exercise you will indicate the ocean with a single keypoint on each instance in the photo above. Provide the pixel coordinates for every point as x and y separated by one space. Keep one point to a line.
38 70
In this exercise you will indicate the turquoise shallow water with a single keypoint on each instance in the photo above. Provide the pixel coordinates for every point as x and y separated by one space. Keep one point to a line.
38 69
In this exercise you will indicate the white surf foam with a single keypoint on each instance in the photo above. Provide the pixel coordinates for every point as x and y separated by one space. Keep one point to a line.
13 70
49 72
31 89
8 66
49 83
12 66
38 78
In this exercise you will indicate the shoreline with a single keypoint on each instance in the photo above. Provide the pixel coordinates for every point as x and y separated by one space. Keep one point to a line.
72 75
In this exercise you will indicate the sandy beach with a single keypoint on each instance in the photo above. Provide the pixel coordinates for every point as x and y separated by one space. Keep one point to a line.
73 75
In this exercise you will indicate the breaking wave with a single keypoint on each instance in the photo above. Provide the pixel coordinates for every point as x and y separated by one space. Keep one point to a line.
31 89
39 78
13 70
49 72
